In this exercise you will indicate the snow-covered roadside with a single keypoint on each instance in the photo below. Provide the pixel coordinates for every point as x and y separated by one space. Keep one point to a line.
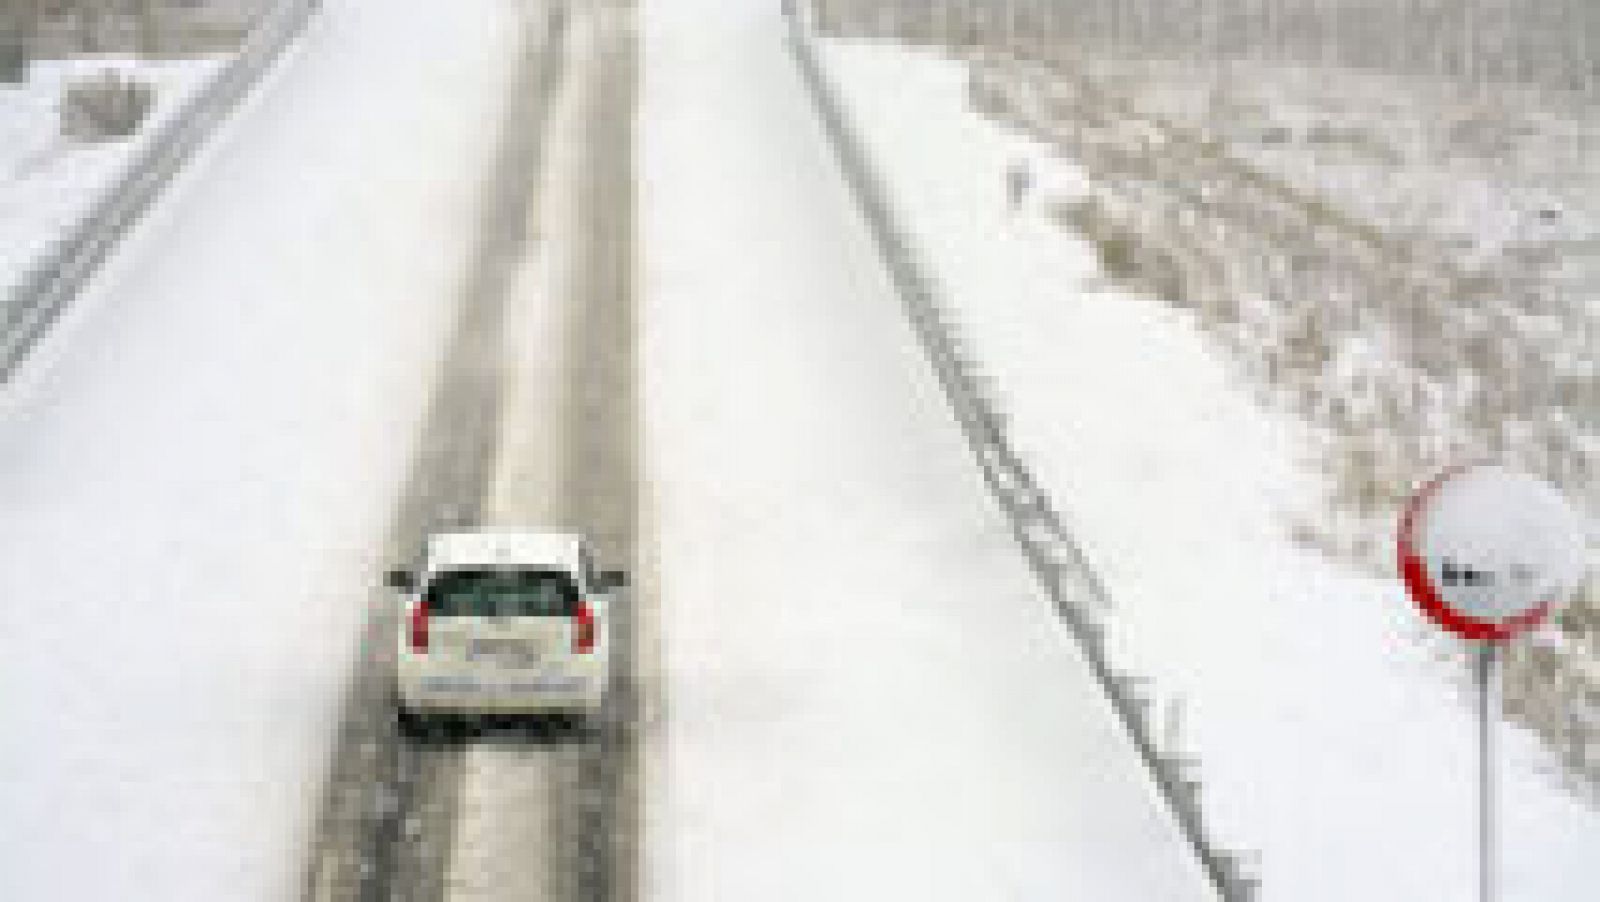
1331 742
197 467
866 695
47 181
1405 343
1414 258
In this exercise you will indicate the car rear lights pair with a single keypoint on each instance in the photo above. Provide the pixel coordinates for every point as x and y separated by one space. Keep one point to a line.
583 636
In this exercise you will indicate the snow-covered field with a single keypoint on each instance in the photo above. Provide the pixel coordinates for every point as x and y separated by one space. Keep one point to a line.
1487 170
47 181
866 697
197 467
1402 265
1405 268
1399 261
1332 741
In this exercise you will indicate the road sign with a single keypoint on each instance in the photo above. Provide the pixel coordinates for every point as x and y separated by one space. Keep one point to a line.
1488 552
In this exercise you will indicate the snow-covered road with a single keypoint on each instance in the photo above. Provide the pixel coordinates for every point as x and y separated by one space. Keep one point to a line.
863 694
195 470
866 697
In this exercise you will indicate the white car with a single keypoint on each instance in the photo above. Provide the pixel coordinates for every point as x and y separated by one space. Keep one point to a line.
503 623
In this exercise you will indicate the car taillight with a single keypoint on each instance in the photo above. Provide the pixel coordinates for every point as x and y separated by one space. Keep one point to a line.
419 627
583 629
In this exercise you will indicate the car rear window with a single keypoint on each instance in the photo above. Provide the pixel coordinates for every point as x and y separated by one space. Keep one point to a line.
502 593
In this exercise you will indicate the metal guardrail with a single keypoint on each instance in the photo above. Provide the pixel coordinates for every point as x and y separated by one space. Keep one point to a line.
1054 556
38 298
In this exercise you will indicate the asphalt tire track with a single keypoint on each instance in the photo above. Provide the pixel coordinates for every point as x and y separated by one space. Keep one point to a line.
385 826
602 485
548 814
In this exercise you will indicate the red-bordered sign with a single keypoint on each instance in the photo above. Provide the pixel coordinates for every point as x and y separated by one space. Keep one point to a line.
1488 553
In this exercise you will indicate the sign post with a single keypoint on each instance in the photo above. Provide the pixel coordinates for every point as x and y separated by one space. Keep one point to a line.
1488 553
1484 666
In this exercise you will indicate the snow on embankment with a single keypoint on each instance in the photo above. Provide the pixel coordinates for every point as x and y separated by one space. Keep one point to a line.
1331 743
866 695
1417 267
48 181
196 468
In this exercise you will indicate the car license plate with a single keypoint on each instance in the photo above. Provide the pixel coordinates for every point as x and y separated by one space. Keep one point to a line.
506 652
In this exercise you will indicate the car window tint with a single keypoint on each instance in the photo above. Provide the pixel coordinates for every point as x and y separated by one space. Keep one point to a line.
502 593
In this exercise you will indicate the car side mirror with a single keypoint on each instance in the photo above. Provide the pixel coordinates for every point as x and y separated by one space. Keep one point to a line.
611 580
400 580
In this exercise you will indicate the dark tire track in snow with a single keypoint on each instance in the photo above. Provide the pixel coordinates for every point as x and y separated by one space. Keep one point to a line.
553 818
386 821
601 488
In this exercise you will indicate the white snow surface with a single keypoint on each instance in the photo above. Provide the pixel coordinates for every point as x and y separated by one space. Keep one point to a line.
197 468
48 182
1330 741
866 696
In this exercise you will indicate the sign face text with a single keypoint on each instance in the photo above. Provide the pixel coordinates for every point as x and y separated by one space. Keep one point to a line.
1487 552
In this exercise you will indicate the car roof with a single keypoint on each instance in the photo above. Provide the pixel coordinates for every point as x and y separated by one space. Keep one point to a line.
490 548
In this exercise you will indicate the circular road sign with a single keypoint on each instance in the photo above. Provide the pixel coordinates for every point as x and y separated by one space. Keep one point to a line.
1488 552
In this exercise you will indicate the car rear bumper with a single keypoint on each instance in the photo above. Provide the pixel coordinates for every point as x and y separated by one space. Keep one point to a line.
422 691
